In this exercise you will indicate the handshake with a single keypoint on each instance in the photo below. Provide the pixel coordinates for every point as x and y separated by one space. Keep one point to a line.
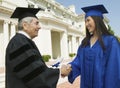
65 70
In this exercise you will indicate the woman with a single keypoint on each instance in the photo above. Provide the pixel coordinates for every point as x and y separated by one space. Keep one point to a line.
97 60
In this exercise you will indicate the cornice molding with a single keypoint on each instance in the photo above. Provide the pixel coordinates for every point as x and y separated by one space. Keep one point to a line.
5 10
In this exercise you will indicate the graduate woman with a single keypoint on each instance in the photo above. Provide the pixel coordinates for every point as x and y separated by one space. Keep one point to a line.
98 57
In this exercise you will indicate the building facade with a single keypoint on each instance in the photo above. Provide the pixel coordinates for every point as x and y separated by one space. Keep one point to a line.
61 28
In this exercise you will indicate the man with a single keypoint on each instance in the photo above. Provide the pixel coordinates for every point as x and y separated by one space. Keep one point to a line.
24 65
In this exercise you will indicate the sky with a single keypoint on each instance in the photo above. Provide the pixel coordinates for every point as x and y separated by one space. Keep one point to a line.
112 6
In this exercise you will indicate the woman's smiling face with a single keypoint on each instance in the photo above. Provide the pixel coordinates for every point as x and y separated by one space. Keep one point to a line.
90 24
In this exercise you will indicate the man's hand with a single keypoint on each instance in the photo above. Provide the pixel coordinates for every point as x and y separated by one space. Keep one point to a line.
65 70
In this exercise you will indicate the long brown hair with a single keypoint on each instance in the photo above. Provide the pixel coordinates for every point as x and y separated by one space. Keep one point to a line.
101 29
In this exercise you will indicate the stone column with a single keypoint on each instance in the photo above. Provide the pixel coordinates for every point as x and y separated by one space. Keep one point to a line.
13 30
6 32
69 44
73 44
80 39
64 45
6 37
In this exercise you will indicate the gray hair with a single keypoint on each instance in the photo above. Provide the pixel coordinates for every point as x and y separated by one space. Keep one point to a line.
26 19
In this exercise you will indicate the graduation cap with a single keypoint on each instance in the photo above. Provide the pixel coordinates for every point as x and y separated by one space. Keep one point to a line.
22 12
96 10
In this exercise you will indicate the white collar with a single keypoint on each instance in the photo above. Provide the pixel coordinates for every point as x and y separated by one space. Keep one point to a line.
24 33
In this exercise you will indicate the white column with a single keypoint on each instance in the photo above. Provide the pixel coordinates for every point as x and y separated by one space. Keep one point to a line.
64 45
1 43
77 43
13 30
69 44
43 41
80 39
73 44
6 33
6 37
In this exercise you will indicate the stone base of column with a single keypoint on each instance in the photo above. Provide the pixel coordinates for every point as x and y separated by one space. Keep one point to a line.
2 77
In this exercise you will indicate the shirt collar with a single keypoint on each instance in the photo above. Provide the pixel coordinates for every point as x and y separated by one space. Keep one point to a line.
24 33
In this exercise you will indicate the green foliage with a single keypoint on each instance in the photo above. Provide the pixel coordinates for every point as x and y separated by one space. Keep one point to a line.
72 54
112 32
46 57
110 29
118 38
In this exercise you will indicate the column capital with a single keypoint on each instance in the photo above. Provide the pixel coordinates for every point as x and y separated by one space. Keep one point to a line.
13 23
6 22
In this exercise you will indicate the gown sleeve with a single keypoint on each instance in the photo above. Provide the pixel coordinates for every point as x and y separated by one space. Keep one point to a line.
76 66
27 65
112 72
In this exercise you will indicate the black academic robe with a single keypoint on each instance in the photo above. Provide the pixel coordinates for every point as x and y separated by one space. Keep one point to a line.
25 67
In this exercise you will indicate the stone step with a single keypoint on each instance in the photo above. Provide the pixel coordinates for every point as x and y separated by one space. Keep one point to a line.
2 80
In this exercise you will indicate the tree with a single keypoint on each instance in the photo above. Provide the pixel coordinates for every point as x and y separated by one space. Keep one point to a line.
118 38
112 32
110 29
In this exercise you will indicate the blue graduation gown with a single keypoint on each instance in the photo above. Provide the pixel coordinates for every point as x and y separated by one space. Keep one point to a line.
98 68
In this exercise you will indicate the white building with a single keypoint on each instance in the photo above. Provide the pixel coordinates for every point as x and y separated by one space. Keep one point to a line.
61 33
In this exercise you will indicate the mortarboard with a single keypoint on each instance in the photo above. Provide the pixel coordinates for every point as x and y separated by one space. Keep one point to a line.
22 12
96 10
